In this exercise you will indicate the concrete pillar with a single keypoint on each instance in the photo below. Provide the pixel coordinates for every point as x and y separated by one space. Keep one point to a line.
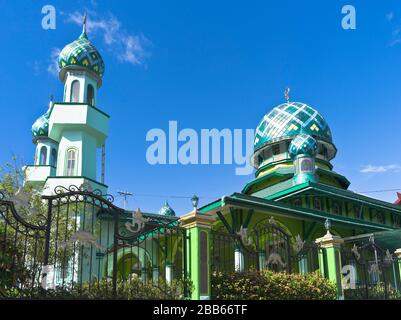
239 260
262 260
169 273
303 264
330 260
198 227
155 275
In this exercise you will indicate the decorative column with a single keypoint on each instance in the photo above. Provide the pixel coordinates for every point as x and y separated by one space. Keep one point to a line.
330 258
198 227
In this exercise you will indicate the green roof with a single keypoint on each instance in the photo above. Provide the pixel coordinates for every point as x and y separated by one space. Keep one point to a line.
279 208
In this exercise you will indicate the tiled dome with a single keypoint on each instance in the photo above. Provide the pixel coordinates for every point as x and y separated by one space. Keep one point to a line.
288 120
303 144
40 128
167 210
81 52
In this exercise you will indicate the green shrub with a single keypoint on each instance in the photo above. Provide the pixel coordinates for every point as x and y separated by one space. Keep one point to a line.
268 285
101 290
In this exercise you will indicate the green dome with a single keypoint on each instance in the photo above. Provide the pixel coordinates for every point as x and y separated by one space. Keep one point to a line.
288 120
82 53
40 128
167 210
303 144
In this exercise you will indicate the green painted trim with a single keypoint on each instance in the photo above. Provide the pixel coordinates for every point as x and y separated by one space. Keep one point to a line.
210 206
353 195
81 104
248 218
263 204
276 173
288 160
40 165
288 191
338 193
342 179
272 164
77 177
226 224
234 217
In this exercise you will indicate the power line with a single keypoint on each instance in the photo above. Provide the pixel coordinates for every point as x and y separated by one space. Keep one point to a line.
377 191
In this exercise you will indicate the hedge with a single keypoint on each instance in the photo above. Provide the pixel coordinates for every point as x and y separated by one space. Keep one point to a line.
268 285
100 290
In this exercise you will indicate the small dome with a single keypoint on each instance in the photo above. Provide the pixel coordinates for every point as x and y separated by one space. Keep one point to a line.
167 210
288 120
40 128
303 144
81 53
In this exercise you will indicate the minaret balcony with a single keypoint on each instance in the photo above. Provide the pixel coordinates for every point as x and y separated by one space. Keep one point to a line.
67 116
37 174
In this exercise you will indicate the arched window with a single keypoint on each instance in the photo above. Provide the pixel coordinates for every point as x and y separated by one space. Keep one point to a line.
53 158
276 149
317 204
90 95
74 91
336 208
306 165
324 151
43 156
297 202
71 162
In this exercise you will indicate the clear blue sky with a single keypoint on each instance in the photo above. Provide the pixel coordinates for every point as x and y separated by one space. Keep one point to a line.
213 64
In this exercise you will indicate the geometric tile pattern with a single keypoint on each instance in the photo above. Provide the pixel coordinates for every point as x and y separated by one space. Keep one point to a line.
167 210
303 144
291 119
40 128
82 52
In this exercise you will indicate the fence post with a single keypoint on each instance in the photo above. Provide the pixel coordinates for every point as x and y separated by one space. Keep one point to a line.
115 251
46 269
330 259
198 226
397 254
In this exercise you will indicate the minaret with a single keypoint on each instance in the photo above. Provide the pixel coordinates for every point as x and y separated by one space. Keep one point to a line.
77 125
45 162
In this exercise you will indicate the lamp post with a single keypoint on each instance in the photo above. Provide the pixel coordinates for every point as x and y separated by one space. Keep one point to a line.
195 201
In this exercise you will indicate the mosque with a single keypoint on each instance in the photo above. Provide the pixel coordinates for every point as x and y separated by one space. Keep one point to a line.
295 198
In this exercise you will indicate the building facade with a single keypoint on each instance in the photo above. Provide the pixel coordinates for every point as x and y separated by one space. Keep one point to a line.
296 215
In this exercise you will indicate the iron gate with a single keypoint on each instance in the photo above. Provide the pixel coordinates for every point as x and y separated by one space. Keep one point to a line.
82 243
266 246
369 272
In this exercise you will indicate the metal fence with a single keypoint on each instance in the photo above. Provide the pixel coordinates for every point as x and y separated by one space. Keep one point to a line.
369 271
266 246
79 242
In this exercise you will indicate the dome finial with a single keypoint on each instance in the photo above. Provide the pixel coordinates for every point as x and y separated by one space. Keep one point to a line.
50 100
287 94
84 24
